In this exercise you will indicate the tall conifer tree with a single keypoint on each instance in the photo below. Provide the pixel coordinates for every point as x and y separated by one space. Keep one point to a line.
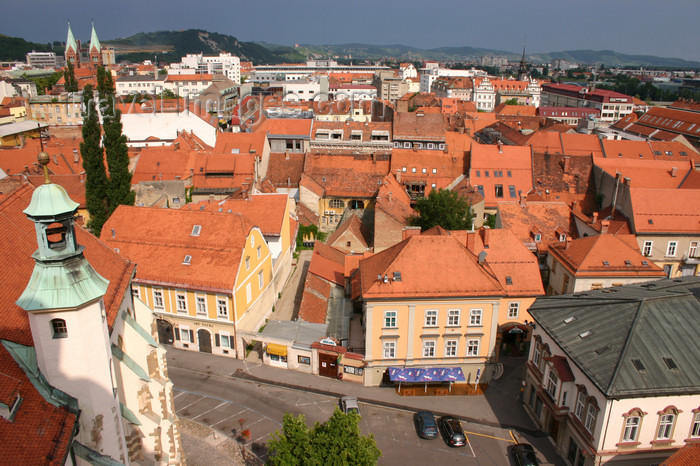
93 162
71 84
119 186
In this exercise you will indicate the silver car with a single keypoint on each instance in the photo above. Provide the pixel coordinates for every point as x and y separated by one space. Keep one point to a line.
348 404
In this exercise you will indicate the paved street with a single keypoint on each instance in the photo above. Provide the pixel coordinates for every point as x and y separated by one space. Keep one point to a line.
221 403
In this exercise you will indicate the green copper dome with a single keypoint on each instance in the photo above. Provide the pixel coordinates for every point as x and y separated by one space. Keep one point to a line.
50 200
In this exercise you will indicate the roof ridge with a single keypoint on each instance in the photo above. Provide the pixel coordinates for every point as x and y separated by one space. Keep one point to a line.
623 352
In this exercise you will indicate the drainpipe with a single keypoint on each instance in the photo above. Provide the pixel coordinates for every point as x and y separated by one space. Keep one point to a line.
614 198
605 434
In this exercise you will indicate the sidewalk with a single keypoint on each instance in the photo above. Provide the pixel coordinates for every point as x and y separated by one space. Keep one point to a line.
498 407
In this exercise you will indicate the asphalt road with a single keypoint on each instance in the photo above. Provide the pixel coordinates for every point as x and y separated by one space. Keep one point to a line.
224 404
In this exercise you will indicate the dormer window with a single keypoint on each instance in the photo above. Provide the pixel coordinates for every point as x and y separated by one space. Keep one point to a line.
562 238
538 238
59 329
196 230
187 260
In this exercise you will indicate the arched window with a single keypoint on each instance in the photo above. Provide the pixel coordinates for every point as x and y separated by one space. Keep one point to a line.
337 204
667 421
59 329
632 426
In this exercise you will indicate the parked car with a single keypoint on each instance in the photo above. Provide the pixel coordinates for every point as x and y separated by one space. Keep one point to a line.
452 432
524 454
348 404
425 425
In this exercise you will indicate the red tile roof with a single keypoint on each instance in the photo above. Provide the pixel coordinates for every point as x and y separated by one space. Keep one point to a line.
647 173
419 125
562 367
351 228
665 210
40 432
286 126
689 455
266 211
163 163
159 239
531 218
588 257
394 200
525 110
62 152
512 166
285 170
358 175
230 143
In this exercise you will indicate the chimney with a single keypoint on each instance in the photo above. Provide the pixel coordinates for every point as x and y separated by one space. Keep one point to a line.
409 231
76 156
398 175
568 242
595 217
628 181
485 236
523 200
82 177
482 257
674 172
500 147
389 196
604 225
567 163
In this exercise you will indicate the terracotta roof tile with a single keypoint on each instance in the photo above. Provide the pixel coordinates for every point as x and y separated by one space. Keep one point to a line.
647 173
285 170
505 166
287 126
689 455
62 153
164 237
266 211
40 431
351 228
665 210
544 217
357 175
393 200
419 126
589 256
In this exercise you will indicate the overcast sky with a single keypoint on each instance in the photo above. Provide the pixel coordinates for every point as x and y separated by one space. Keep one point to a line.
667 28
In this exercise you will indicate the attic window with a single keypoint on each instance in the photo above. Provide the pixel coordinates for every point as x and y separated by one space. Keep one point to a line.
478 173
651 222
684 153
668 152
538 238
606 264
628 263
187 260
569 319
619 154
510 175
670 363
511 190
397 276
645 263
657 152
639 365
602 350
585 334
509 280
196 229
235 151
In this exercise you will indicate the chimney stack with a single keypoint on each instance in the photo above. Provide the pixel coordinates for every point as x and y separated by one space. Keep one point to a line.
500 147
567 163
398 175
485 236
523 200
674 172
604 225
628 181
409 231
568 242
595 217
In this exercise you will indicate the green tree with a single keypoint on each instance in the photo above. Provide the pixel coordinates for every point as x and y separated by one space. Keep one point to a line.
119 185
71 83
93 162
513 101
444 208
337 441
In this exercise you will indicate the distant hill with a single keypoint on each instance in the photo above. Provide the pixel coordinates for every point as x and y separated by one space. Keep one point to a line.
612 58
170 46
458 54
16 48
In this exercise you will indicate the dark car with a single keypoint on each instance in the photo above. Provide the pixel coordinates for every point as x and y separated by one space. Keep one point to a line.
451 430
524 454
425 425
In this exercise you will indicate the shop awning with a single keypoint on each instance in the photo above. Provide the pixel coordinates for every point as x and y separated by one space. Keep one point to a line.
279 350
426 374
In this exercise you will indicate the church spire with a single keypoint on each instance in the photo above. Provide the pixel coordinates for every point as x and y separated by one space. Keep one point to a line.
522 69
70 40
94 41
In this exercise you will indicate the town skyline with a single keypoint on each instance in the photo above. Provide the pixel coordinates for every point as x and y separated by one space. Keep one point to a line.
669 29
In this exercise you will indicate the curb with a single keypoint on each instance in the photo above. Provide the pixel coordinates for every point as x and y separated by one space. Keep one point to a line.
242 375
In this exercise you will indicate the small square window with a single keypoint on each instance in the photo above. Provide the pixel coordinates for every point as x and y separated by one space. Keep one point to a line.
58 326
259 250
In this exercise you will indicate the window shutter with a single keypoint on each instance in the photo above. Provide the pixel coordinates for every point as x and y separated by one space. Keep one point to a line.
177 333
216 339
192 336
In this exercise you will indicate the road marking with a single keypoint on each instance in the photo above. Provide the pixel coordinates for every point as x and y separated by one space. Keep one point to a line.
233 415
470 445
513 436
491 436
181 393
195 401
210 410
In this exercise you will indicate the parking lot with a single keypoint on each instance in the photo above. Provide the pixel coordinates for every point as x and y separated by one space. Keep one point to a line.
234 405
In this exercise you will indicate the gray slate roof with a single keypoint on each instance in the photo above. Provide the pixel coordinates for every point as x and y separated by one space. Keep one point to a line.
297 332
642 323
